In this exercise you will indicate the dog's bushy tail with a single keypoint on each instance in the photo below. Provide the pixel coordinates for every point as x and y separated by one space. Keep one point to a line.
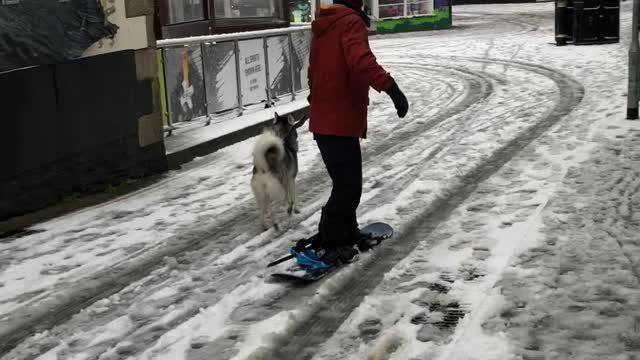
268 151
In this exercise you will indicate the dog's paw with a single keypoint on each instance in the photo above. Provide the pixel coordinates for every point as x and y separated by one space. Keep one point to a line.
292 209
265 225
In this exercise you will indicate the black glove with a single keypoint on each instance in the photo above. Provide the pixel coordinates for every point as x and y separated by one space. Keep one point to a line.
399 100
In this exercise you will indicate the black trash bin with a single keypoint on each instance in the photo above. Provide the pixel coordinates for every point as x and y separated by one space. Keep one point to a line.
587 22
586 14
610 20
564 21
596 21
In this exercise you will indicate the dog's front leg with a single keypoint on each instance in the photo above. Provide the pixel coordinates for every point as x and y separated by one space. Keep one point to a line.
294 202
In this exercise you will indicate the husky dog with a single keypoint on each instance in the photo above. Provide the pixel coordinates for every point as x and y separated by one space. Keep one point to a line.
275 167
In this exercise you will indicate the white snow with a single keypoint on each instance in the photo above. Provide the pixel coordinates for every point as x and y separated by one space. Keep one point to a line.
542 258
187 135
231 36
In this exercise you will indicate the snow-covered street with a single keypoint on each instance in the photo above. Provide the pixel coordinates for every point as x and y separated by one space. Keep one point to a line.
513 186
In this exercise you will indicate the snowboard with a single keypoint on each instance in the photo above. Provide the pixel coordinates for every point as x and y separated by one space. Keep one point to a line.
309 268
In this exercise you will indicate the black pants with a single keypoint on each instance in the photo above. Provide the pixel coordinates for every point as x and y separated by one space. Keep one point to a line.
343 159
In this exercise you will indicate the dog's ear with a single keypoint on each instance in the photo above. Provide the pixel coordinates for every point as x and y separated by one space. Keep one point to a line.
292 120
275 117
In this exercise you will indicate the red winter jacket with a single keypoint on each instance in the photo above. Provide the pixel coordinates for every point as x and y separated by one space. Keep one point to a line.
341 69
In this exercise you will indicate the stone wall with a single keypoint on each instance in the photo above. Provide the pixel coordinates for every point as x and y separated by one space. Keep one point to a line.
81 126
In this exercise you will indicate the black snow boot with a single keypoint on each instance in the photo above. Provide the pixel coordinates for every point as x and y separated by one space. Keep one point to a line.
365 242
338 255
329 255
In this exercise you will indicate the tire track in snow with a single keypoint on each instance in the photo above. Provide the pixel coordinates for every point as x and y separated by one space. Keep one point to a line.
284 300
237 273
420 160
326 316
227 233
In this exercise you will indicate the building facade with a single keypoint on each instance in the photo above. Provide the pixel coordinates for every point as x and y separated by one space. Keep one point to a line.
84 105
182 18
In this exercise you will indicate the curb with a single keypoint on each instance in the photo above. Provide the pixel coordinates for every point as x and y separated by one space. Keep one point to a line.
184 156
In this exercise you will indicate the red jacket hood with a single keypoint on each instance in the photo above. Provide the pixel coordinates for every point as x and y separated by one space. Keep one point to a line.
328 17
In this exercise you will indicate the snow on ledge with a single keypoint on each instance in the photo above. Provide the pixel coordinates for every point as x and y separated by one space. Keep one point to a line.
193 135
230 36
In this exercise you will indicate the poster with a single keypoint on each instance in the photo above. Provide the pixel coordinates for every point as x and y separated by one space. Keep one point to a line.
279 65
300 57
185 83
253 81
221 80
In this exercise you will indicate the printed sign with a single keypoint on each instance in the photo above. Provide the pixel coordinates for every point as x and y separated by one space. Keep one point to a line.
253 79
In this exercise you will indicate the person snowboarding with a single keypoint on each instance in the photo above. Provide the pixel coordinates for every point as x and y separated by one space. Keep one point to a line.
341 70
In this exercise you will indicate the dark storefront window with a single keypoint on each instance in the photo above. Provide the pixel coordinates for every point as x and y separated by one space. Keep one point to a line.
180 18
227 9
180 11
391 8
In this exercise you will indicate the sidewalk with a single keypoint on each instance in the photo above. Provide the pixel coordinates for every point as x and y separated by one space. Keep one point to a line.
187 142
193 140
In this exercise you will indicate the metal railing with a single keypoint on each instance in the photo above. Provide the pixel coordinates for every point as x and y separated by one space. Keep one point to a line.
217 75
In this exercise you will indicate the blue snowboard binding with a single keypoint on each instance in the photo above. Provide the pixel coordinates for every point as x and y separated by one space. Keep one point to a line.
308 260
